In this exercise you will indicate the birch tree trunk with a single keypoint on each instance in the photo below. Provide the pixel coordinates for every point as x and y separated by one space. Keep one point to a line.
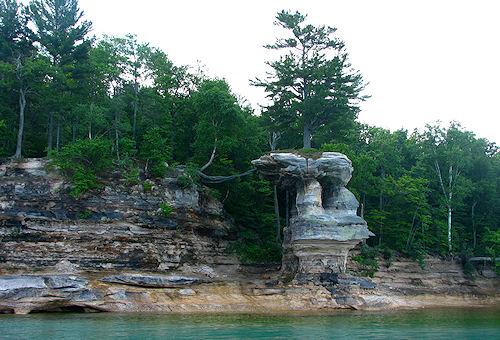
20 132
50 132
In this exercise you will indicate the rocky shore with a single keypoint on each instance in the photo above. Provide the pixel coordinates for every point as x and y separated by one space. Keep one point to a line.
119 252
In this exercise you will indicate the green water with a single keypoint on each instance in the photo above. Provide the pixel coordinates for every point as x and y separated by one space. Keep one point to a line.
422 324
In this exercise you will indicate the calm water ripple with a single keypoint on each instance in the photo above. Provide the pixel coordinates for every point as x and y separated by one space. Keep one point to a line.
422 324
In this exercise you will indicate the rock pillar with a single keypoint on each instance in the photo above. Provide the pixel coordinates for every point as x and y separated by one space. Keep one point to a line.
324 225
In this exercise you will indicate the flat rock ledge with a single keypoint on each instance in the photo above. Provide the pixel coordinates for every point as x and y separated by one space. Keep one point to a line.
153 281
150 293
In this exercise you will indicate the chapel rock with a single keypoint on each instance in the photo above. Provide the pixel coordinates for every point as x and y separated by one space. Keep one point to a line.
323 223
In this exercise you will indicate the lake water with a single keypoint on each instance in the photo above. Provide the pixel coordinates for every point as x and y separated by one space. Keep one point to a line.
452 324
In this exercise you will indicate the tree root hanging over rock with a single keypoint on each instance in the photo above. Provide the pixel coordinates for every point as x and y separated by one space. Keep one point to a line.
221 179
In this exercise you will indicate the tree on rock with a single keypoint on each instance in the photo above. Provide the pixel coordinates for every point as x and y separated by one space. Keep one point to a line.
312 84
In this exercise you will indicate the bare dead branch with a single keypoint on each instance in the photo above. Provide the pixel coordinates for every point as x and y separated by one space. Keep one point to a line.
203 168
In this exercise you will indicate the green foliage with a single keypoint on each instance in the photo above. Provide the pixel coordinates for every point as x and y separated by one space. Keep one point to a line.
85 214
189 177
147 186
367 260
491 240
468 269
84 180
119 105
417 253
388 255
312 85
83 161
156 151
166 209
131 176
257 253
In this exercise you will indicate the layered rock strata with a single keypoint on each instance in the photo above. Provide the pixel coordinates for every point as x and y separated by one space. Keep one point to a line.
121 227
324 225
117 251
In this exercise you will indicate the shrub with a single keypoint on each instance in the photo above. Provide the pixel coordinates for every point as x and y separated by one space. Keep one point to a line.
155 150
257 252
189 177
83 162
388 255
147 186
368 260
166 209
131 176
418 253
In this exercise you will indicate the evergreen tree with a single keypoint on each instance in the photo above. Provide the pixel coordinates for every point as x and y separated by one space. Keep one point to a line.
61 32
312 85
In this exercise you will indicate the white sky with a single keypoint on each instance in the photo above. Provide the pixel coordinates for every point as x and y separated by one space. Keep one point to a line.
424 60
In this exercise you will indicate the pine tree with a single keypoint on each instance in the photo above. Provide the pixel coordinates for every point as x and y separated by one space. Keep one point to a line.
312 83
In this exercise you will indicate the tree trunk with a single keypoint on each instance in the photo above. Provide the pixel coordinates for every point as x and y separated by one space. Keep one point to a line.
20 132
277 213
307 136
50 132
449 228
135 104
117 142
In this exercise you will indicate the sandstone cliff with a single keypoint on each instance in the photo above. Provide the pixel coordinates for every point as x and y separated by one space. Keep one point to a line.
118 251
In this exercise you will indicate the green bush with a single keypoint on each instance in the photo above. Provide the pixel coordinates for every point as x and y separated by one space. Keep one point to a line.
147 186
83 162
131 176
468 269
388 255
155 150
166 209
189 177
367 260
257 252
418 253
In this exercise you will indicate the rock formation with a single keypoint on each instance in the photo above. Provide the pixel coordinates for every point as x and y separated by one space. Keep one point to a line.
324 225
122 227
115 250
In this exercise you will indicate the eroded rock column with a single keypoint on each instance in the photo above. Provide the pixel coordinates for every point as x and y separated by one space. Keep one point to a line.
324 225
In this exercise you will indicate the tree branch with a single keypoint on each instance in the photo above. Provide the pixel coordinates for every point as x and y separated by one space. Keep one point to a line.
211 158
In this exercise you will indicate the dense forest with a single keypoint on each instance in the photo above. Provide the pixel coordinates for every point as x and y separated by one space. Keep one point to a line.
118 105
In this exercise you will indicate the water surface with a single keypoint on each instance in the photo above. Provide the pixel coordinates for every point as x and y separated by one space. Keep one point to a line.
421 324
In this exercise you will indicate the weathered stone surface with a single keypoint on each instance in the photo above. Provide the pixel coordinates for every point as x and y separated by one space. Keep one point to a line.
324 224
154 281
180 264
120 227
281 166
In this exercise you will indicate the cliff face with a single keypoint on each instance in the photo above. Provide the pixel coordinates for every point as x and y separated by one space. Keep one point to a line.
121 228
118 251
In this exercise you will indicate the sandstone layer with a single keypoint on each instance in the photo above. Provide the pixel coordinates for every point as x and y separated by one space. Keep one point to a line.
116 251
324 225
